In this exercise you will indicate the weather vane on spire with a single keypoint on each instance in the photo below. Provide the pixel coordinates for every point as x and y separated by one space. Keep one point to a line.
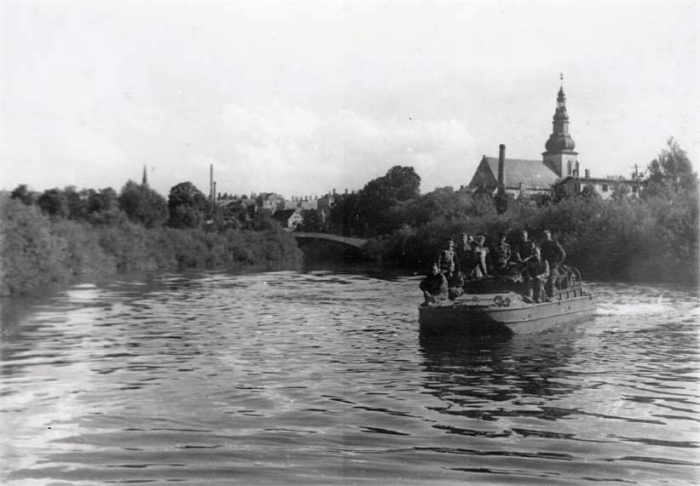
561 78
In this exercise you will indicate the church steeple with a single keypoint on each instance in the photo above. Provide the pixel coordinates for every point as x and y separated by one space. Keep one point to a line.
560 146
560 139
144 178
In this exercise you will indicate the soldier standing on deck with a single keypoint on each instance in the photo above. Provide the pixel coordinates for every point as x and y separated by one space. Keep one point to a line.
447 260
554 254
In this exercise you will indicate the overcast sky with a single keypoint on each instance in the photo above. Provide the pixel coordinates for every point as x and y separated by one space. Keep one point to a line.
303 97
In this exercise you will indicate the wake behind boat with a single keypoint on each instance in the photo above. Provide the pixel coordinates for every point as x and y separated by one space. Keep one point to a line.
500 305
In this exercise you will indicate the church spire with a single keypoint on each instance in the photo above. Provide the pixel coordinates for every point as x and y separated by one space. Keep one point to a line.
144 179
560 155
560 139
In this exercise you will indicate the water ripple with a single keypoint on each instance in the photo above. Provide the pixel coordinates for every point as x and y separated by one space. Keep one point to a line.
322 378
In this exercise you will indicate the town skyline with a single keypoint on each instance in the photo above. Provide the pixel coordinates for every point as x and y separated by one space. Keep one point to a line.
282 101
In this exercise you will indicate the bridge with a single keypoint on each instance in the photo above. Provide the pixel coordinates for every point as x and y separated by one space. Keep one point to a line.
346 240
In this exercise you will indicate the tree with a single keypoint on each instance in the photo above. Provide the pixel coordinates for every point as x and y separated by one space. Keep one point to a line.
670 171
500 200
103 200
345 216
564 190
311 222
402 182
54 203
589 192
188 206
102 206
379 196
620 191
76 202
143 204
23 194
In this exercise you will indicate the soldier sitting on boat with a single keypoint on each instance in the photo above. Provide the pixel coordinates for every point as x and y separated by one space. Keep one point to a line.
536 275
434 285
523 250
500 256
537 272
472 262
465 244
455 285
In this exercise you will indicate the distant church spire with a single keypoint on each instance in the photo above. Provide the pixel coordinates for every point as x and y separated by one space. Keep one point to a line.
144 179
560 139
560 155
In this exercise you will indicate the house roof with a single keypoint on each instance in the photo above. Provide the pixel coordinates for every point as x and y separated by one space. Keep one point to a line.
532 173
600 180
283 215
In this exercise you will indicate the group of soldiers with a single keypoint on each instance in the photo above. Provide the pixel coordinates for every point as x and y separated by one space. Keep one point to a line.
536 264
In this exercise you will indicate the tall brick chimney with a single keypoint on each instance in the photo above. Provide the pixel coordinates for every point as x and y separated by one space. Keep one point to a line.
501 166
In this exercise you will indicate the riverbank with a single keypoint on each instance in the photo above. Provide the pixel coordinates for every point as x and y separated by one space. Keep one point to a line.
627 240
37 251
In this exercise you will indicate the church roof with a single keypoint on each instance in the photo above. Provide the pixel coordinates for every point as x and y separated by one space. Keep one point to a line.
532 173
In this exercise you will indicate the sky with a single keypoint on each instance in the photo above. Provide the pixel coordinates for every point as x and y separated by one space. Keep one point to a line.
303 97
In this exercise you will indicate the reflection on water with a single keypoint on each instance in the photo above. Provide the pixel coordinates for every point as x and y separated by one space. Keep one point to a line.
322 378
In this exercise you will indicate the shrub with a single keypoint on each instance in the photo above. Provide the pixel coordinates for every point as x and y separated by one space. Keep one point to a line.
30 255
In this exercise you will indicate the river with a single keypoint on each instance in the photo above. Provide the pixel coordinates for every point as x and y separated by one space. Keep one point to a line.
320 377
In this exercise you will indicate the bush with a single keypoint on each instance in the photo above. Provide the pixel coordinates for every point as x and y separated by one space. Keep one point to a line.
652 239
30 255
36 250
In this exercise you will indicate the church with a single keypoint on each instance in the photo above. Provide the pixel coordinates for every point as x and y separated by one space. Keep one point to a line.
559 163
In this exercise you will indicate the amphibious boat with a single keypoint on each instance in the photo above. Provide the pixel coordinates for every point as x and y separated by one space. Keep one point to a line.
499 305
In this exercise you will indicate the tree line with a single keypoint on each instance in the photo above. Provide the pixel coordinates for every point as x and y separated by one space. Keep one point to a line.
64 235
185 208
650 236
61 235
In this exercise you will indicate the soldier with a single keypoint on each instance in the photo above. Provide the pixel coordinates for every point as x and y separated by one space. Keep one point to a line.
500 255
434 285
463 247
447 259
523 249
472 263
455 286
483 254
553 252
536 275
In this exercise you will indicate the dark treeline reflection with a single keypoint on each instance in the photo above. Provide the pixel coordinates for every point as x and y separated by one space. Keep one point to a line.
473 377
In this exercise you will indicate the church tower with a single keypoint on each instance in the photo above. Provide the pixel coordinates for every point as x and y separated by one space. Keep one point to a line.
560 155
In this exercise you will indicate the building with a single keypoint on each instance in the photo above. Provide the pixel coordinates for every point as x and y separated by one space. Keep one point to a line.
605 187
305 203
559 155
270 201
559 164
522 177
527 177
288 218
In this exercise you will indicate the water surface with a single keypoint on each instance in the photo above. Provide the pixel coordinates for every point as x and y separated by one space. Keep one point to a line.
322 378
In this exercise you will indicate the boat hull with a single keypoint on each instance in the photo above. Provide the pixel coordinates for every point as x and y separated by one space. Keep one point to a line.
477 317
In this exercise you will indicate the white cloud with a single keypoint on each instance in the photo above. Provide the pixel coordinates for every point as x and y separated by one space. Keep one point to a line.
304 97
292 150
